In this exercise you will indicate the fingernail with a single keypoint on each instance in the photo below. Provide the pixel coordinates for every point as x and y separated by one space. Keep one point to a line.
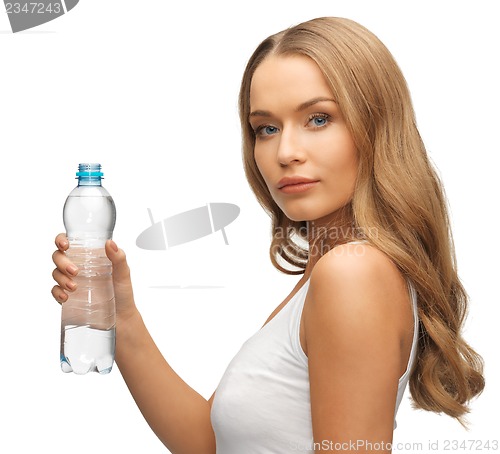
63 244
113 246
71 285
72 269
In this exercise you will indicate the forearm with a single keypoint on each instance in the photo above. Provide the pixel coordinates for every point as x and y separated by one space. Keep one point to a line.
178 415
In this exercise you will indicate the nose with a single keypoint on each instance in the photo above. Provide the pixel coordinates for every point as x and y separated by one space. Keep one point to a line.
290 150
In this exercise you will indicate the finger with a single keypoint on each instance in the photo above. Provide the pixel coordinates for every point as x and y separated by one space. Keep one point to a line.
59 294
63 280
121 270
121 274
64 264
62 242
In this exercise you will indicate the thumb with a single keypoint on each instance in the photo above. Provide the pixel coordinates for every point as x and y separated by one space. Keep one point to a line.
121 275
121 271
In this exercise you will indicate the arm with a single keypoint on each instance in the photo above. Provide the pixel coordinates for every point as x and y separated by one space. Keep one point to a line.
178 415
358 327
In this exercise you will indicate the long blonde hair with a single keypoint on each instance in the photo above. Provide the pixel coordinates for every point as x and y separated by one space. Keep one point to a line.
399 203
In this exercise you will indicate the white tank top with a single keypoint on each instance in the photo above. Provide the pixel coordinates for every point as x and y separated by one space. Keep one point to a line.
262 404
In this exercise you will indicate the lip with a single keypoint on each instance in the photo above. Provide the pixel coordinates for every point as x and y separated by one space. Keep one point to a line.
296 184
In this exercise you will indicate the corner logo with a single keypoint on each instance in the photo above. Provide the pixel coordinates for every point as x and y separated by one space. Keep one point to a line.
23 15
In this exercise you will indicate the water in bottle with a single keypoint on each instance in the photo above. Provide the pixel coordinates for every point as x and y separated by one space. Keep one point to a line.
88 316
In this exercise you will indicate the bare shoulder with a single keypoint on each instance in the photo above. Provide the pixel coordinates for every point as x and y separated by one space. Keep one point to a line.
357 261
358 269
358 285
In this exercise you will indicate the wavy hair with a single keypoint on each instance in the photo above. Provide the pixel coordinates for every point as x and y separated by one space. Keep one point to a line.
399 203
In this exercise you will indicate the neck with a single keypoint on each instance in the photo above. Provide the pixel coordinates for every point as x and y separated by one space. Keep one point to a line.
326 233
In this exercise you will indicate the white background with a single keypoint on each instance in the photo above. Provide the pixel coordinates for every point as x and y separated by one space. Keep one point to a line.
149 90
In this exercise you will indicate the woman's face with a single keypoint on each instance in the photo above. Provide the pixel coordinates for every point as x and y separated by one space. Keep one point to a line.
303 148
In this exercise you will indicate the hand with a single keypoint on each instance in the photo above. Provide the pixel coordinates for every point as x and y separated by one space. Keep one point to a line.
65 271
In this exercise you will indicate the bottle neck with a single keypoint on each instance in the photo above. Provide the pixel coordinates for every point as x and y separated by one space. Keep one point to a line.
89 181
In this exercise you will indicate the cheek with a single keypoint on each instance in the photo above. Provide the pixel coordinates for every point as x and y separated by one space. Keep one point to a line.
341 162
350 172
263 163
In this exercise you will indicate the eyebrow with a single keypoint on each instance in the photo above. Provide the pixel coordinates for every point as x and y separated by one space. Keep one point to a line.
303 106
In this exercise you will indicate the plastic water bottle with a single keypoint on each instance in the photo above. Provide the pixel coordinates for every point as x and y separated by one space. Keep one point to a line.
88 316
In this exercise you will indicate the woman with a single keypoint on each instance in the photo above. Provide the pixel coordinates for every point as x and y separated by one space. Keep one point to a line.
333 154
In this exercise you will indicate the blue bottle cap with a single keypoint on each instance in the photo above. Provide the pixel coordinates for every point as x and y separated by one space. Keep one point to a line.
89 170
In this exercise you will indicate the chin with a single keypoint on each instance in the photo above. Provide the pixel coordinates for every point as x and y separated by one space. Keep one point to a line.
307 212
302 214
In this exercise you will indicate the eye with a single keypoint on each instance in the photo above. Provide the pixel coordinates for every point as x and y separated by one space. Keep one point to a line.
319 120
266 130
